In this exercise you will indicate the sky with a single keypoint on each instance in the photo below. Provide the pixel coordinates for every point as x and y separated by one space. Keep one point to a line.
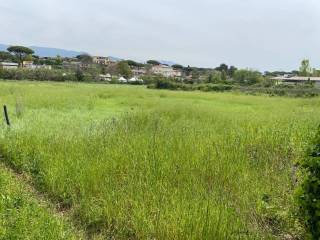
256 34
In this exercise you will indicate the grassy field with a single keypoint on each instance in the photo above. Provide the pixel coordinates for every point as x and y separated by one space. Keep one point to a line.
126 162
22 216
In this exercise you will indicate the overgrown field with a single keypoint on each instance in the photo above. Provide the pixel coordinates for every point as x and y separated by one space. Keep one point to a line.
23 217
132 163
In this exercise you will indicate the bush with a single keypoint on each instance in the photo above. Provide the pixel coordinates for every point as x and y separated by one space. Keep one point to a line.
166 84
280 90
79 75
247 77
49 75
308 193
215 87
169 84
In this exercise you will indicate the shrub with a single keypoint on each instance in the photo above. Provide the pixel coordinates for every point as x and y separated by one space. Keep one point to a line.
247 77
162 83
79 75
214 87
166 84
308 193
45 75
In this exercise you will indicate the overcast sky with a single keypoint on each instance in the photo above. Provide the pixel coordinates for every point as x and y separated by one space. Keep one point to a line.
259 34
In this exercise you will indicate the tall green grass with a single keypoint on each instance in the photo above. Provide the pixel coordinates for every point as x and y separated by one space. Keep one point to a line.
132 163
23 217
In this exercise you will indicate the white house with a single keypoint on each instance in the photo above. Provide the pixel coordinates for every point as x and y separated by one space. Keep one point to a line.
32 66
138 71
9 65
103 60
166 71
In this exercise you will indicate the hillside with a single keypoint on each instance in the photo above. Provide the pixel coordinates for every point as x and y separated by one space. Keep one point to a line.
47 51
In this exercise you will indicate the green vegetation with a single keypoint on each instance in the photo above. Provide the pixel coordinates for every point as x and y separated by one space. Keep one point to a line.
263 88
134 163
21 53
38 74
23 217
305 68
153 62
85 59
308 194
124 69
247 77
53 61
132 63
6 56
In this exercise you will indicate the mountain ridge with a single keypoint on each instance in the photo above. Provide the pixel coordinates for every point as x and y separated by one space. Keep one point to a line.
48 51
53 52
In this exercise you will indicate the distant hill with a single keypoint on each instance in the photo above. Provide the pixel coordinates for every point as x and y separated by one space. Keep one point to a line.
53 52
116 59
47 51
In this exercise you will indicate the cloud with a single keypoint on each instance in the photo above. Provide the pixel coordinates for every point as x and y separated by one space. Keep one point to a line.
265 34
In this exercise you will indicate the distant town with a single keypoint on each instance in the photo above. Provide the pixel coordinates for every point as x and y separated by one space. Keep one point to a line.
125 71
85 67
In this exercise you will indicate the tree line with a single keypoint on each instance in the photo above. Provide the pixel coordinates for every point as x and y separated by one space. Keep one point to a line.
223 74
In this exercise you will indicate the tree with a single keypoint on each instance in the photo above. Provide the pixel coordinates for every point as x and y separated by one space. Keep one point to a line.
305 69
188 70
112 69
247 77
132 63
195 75
210 78
124 69
231 71
79 75
5 56
36 59
316 73
177 66
28 58
153 62
21 53
224 76
222 67
59 60
215 77
85 58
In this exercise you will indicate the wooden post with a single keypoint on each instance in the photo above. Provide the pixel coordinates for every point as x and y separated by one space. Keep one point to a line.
6 115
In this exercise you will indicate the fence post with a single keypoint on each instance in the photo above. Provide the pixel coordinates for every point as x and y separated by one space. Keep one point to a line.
6 115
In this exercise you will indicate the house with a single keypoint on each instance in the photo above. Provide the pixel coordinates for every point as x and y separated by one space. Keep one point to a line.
166 71
138 71
28 64
105 77
8 65
101 60
31 65
74 63
48 67
296 79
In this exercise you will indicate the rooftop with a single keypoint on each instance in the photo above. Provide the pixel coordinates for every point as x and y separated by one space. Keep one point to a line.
8 64
296 78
